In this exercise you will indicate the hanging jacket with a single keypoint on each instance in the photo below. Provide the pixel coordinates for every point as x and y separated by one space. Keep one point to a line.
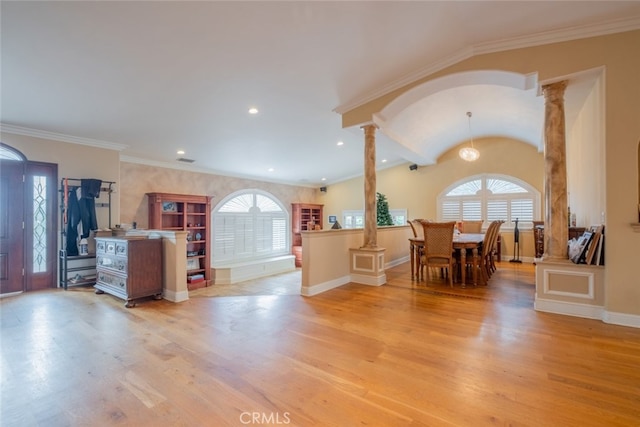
73 219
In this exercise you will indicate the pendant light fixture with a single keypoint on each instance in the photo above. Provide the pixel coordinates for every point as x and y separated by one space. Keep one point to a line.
469 154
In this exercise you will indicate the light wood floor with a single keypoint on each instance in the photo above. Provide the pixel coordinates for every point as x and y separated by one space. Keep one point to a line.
397 355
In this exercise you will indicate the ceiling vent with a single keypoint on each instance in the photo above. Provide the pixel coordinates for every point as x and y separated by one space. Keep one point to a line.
183 160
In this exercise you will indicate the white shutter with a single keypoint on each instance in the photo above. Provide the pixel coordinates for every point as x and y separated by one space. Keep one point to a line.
223 240
451 210
497 210
492 197
243 236
249 226
522 209
472 210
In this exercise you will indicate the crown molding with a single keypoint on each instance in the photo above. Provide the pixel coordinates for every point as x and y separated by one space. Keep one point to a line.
18 130
565 34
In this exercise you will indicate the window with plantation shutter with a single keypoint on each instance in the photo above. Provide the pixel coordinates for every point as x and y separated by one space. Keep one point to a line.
247 225
355 218
491 198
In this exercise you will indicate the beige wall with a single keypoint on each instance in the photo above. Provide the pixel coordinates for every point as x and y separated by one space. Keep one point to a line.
327 260
586 161
617 53
75 161
417 191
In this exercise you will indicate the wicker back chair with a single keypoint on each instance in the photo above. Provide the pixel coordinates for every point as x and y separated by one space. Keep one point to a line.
490 248
417 224
413 229
472 226
438 248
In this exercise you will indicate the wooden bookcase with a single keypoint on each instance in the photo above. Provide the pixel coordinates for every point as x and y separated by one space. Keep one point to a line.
190 213
302 215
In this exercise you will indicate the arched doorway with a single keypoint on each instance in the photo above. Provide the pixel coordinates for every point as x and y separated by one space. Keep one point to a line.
28 218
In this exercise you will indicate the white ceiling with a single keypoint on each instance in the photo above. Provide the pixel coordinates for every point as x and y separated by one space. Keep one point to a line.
155 77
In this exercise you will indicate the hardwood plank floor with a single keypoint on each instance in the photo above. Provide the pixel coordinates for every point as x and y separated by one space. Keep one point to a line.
403 354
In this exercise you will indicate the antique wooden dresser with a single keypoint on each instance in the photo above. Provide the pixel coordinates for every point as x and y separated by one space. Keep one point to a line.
129 267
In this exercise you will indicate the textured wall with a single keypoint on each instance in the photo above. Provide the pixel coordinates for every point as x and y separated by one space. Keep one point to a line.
136 180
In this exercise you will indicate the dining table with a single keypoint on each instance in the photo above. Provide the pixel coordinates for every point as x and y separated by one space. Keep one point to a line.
462 243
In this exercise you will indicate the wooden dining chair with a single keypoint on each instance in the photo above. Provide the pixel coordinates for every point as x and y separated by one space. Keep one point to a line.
417 224
416 228
490 247
472 227
438 249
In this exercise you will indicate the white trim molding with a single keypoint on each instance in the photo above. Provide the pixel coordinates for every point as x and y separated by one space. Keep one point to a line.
567 34
590 283
325 286
18 130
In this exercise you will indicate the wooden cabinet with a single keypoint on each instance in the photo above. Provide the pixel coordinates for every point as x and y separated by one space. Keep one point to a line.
538 236
182 212
129 267
304 216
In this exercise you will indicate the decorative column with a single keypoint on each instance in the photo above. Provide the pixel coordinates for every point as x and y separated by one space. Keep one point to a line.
556 233
370 212
367 262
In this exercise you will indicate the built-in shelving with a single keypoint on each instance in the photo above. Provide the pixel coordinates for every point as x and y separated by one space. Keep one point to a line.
190 213
305 217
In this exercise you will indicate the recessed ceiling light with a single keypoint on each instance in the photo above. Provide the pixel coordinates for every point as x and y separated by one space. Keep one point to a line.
271 169
340 143
324 179
253 110
181 152
384 160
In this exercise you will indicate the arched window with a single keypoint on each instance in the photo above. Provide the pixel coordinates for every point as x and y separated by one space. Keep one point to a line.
490 198
10 153
248 225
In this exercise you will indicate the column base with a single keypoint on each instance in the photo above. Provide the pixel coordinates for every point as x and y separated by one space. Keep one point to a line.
367 266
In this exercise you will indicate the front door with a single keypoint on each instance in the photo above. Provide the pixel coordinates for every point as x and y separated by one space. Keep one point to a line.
12 278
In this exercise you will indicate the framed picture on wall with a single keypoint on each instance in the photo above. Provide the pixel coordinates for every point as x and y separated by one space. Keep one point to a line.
332 219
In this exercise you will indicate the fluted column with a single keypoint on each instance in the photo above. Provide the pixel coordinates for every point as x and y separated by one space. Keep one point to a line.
556 231
370 213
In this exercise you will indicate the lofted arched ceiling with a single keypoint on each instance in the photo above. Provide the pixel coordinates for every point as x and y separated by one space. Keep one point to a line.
431 118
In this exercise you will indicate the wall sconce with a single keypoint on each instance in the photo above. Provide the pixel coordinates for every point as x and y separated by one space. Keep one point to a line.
413 167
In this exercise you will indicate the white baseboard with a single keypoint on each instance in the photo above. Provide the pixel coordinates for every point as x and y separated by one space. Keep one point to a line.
588 312
622 319
397 262
326 286
174 296
569 308
240 272
363 279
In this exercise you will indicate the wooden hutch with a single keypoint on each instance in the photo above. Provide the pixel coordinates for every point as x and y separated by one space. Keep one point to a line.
190 213
304 216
